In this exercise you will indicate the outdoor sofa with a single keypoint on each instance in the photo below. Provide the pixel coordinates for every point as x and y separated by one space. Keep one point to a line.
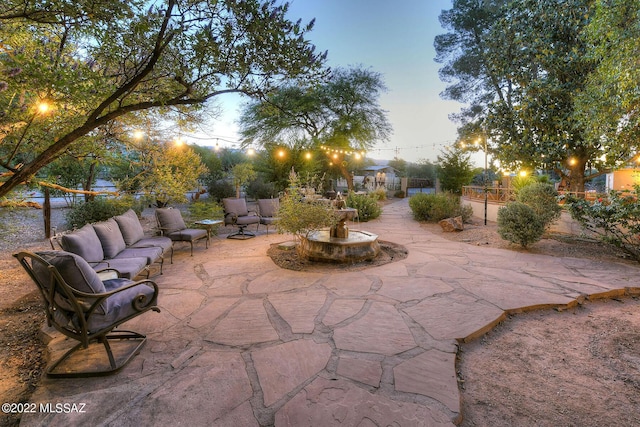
118 243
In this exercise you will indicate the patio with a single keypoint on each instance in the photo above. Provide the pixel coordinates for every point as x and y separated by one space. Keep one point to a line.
240 341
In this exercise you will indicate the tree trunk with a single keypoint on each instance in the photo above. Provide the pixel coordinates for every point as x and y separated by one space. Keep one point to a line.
87 185
46 213
346 175
577 175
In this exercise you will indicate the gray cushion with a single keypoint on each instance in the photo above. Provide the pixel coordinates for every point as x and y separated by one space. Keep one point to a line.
151 253
155 241
130 227
235 206
188 235
84 242
249 219
75 272
110 237
268 207
127 267
170 220
120 305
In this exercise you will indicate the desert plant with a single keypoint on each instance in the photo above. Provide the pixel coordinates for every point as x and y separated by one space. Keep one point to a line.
220 189
300 217
615 219
543 199
367 206
259 189
202 209
100 209
518 223
435 207
379 193
242 173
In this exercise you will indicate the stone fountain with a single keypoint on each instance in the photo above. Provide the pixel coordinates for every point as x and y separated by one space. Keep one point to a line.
340 245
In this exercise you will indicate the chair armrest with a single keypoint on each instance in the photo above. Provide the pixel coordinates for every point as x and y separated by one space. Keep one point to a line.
233 215
138 303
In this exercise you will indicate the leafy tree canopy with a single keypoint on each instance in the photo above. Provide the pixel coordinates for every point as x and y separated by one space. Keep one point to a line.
525 69
93 62
341 115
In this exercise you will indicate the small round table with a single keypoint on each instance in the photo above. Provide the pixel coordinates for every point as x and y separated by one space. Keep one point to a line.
209 224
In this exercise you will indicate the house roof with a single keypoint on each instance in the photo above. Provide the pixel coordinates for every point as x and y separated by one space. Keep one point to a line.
376 168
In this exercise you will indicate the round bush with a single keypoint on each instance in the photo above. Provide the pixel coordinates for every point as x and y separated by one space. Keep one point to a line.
518 223
436 207
366 205
543 199
221 189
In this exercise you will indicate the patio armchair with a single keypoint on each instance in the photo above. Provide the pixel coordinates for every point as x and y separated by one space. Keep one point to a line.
86 306
268 211
237 214
172 226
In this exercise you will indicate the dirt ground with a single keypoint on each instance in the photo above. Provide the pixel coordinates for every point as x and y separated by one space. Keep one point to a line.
580 367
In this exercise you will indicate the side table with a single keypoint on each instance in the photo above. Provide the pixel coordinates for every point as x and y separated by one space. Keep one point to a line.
209 224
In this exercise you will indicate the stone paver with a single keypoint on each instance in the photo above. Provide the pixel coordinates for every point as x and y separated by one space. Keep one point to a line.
241 342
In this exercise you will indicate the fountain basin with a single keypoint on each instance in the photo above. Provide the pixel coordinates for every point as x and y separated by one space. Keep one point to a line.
359 246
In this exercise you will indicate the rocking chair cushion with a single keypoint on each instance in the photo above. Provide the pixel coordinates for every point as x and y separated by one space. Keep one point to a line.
75 271
120 305
130 227
84 242
237 207
110 237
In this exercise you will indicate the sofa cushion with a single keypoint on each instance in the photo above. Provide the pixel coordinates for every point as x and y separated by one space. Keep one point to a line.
84 242
130 227
110 237
127 267
170 220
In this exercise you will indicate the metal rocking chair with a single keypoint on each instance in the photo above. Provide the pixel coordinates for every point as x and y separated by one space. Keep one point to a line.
86 306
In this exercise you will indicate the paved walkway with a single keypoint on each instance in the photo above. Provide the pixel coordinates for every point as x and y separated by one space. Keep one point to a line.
241 342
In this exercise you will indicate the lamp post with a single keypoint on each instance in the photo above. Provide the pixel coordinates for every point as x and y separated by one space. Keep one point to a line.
484 176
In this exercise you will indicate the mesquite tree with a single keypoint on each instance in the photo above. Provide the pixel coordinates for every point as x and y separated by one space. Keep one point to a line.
70 67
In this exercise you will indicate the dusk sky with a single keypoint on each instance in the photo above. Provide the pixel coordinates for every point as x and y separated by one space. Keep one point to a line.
394 39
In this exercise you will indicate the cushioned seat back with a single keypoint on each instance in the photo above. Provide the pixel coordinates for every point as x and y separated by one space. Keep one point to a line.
110 237
170 220
75 272
84 242
237 207
268 207
130 227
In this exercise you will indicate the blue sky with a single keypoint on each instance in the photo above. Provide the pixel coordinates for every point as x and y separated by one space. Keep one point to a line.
394 39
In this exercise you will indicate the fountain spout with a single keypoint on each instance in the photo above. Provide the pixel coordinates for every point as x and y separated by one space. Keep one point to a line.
340 230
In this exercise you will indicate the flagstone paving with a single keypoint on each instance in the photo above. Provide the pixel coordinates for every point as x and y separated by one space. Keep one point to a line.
242 342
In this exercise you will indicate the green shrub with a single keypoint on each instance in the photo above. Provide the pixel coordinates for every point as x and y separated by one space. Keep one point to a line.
615 220
518 223
299 217
543 199
100 209
399 194
205 209
379 194
259 189
367 206
221 189
436 207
